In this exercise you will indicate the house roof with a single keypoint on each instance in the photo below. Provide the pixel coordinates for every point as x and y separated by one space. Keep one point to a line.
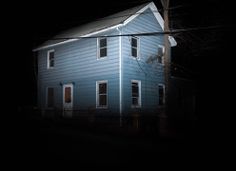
102 25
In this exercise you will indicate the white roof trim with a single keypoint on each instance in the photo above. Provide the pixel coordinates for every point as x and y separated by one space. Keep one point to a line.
56 44
150 5
157 15
72 40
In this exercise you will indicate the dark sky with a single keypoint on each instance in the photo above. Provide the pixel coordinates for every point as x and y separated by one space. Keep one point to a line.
197 51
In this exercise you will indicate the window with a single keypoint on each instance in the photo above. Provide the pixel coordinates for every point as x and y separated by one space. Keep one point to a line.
160 54
50 59
161 93
50 97
134 47
102 47
101 88
67 94
136 93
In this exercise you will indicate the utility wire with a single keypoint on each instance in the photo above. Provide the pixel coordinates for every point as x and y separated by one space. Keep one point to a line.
140 34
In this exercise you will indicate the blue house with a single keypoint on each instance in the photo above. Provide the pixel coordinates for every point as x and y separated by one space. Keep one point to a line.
102 67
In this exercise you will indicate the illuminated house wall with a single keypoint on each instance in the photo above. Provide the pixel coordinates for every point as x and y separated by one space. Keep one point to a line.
150 74
76 62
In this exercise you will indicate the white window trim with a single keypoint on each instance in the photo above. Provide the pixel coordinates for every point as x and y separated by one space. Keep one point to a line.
97 94
48 61
164 96
139 91
98 48
138 47
163 51
47 97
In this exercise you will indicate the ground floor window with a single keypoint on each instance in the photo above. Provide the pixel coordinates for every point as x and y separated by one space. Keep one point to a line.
101 94
136 93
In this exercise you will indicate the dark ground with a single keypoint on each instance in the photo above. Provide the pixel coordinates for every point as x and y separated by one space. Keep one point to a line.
39 142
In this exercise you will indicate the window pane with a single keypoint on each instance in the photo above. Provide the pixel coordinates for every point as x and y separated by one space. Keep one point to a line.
134 52
67 94
51 64
135 93
103 42
134 101
102 100
103 88
103 52
50 101
134 87
51 59
134 42
51 55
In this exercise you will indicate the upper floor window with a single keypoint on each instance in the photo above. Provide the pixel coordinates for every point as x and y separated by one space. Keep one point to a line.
161 94
136 93
102 47
134 46
101 92
50 59
160 54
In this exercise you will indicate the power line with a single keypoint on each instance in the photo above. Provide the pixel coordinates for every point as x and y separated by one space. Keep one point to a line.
140 34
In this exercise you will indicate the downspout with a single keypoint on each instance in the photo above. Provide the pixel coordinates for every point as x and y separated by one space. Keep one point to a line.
120 76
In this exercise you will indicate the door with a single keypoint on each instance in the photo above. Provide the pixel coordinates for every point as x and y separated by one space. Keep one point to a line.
67 99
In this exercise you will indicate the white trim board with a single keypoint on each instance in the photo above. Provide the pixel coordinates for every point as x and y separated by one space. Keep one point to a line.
150 5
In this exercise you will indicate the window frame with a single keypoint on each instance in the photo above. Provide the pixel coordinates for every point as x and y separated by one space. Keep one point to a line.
137 48
99 48
164 95
139 93
48 59
98 95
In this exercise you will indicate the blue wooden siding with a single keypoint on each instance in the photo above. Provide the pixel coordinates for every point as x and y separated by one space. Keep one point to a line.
77 62
150 75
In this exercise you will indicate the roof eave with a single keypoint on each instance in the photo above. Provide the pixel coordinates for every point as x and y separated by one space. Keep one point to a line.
80 37
129 19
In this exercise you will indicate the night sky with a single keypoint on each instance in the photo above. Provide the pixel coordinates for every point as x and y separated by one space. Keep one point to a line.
198 54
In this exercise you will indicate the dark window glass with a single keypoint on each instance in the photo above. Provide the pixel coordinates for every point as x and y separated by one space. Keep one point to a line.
103 52
51 59
68 94
134 52
102 100
135 94
102 94
134 47
134 42
103 42
102 47
102 88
